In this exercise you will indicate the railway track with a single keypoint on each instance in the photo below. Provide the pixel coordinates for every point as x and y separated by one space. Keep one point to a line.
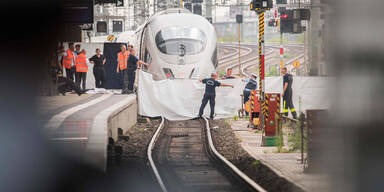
183 158
233 56
250 59
251 55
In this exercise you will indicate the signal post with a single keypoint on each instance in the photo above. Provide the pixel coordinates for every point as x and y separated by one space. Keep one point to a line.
260 6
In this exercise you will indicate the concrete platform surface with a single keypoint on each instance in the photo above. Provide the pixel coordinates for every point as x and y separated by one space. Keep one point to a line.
81 125
286 165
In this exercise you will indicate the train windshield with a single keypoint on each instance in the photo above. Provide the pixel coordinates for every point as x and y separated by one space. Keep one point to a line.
181 41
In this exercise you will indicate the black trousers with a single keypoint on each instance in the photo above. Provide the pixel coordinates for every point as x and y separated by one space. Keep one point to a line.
70 73
211 99
81 77
287 103
131 78
124 77
99 74
246 94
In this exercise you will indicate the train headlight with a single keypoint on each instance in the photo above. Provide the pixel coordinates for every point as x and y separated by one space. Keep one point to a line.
168 73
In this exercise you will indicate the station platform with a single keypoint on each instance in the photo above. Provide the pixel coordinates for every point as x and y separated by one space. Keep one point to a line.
82 125
286 165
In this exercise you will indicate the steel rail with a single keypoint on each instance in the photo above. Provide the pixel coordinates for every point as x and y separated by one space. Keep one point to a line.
149 154
228 163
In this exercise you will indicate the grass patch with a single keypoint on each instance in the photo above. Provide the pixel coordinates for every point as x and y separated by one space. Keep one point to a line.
277 40
282 150
255 163
300 39
221 73
272 72
227 121
287 55
227 38
294 139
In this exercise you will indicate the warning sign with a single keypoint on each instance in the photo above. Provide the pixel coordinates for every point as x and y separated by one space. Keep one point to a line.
296 64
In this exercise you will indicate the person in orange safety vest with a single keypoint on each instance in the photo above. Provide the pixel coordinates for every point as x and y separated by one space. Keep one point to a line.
122 61
69 60
81 68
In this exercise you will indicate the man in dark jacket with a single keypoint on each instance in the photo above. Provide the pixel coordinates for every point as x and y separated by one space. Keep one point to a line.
98 69
287 93
133 64
210 93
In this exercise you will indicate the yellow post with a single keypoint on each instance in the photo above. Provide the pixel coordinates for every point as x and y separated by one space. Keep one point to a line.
181 3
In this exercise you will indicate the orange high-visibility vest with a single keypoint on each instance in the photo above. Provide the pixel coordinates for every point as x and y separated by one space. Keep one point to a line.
123 60
68 60
81 63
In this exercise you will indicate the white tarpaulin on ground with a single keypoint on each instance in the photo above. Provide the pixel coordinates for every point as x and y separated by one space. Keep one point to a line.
180 99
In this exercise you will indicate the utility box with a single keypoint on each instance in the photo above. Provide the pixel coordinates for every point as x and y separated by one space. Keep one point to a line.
272 104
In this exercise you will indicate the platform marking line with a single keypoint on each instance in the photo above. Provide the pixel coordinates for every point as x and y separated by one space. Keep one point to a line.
69 138
56 121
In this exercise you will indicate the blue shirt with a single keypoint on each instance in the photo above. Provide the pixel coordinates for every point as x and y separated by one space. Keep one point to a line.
210 85
287 78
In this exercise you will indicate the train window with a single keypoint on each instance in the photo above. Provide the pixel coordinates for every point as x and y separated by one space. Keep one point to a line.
181 41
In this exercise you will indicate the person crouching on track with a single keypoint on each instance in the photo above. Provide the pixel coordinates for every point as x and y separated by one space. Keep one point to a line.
133 64
210 93
65 84
251 85
81 68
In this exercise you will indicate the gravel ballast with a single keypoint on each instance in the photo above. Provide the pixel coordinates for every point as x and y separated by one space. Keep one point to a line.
228 145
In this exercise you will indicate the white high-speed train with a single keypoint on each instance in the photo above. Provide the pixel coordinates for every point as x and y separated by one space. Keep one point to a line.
177 44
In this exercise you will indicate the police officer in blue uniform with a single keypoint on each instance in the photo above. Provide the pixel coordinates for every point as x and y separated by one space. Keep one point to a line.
210 93
251 85
287 93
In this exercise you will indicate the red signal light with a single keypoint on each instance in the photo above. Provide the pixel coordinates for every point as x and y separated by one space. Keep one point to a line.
283 16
